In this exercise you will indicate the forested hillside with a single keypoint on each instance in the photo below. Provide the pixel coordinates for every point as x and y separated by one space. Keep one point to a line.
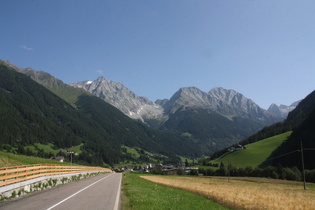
304 116
32 114
133 133
210 128
55 85
221 118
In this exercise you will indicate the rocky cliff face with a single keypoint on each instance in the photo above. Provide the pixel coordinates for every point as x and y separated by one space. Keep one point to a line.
239 101
122 98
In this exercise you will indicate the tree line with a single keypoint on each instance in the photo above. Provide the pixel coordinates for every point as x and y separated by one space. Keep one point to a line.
279 172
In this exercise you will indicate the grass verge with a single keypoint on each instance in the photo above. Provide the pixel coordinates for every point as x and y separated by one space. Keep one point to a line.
141 194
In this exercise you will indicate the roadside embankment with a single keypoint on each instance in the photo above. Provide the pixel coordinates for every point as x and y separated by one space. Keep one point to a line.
18 181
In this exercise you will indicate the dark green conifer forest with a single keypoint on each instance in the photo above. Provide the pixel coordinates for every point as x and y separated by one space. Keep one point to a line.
30 113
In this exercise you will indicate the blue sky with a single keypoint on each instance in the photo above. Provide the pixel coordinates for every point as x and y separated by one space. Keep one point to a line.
262 49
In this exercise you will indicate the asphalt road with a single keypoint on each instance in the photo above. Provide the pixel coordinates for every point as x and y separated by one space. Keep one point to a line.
99 192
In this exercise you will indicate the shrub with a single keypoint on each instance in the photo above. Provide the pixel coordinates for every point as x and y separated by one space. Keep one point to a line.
310 175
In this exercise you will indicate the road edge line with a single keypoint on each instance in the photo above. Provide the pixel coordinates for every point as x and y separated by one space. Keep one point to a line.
116 206
77 192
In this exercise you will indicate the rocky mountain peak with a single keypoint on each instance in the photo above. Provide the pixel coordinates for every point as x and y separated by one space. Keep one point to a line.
122 98
226 102
188 97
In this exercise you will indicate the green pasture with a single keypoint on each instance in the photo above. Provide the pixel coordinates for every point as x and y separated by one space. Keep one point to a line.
77 149
133 151
50 148
141 194
47 148
255 153
9 159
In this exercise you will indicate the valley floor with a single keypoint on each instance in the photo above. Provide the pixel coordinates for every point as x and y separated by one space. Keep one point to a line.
243 194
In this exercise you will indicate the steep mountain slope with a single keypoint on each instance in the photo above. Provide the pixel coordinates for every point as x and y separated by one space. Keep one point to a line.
32 114
304 118
132 133
304 109
239 101
122 98
64 91
212 130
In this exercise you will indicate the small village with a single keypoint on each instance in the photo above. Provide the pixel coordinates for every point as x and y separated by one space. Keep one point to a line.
159 169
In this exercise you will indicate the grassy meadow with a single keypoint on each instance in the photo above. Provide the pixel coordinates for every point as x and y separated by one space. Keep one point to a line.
242 194
141 194
77 149
9 159
47 148
255 153
50 148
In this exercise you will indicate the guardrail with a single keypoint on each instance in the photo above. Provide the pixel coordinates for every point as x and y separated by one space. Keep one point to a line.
10 175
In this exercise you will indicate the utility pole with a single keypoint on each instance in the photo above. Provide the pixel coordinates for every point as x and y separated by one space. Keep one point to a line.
302 157
229 171
70 152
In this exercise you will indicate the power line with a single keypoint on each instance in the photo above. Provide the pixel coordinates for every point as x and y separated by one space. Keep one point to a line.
289 153
283 155
302 158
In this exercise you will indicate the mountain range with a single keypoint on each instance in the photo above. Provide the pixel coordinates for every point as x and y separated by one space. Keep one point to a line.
214 119
31 113
36 108
208 121
223 101
228 103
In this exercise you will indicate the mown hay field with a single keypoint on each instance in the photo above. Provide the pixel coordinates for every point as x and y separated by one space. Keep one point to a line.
240 194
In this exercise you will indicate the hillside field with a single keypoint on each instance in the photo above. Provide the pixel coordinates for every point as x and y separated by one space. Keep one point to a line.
9 159
255 153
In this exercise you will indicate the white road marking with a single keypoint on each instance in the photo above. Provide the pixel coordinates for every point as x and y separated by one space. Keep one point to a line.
77 193
118 195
